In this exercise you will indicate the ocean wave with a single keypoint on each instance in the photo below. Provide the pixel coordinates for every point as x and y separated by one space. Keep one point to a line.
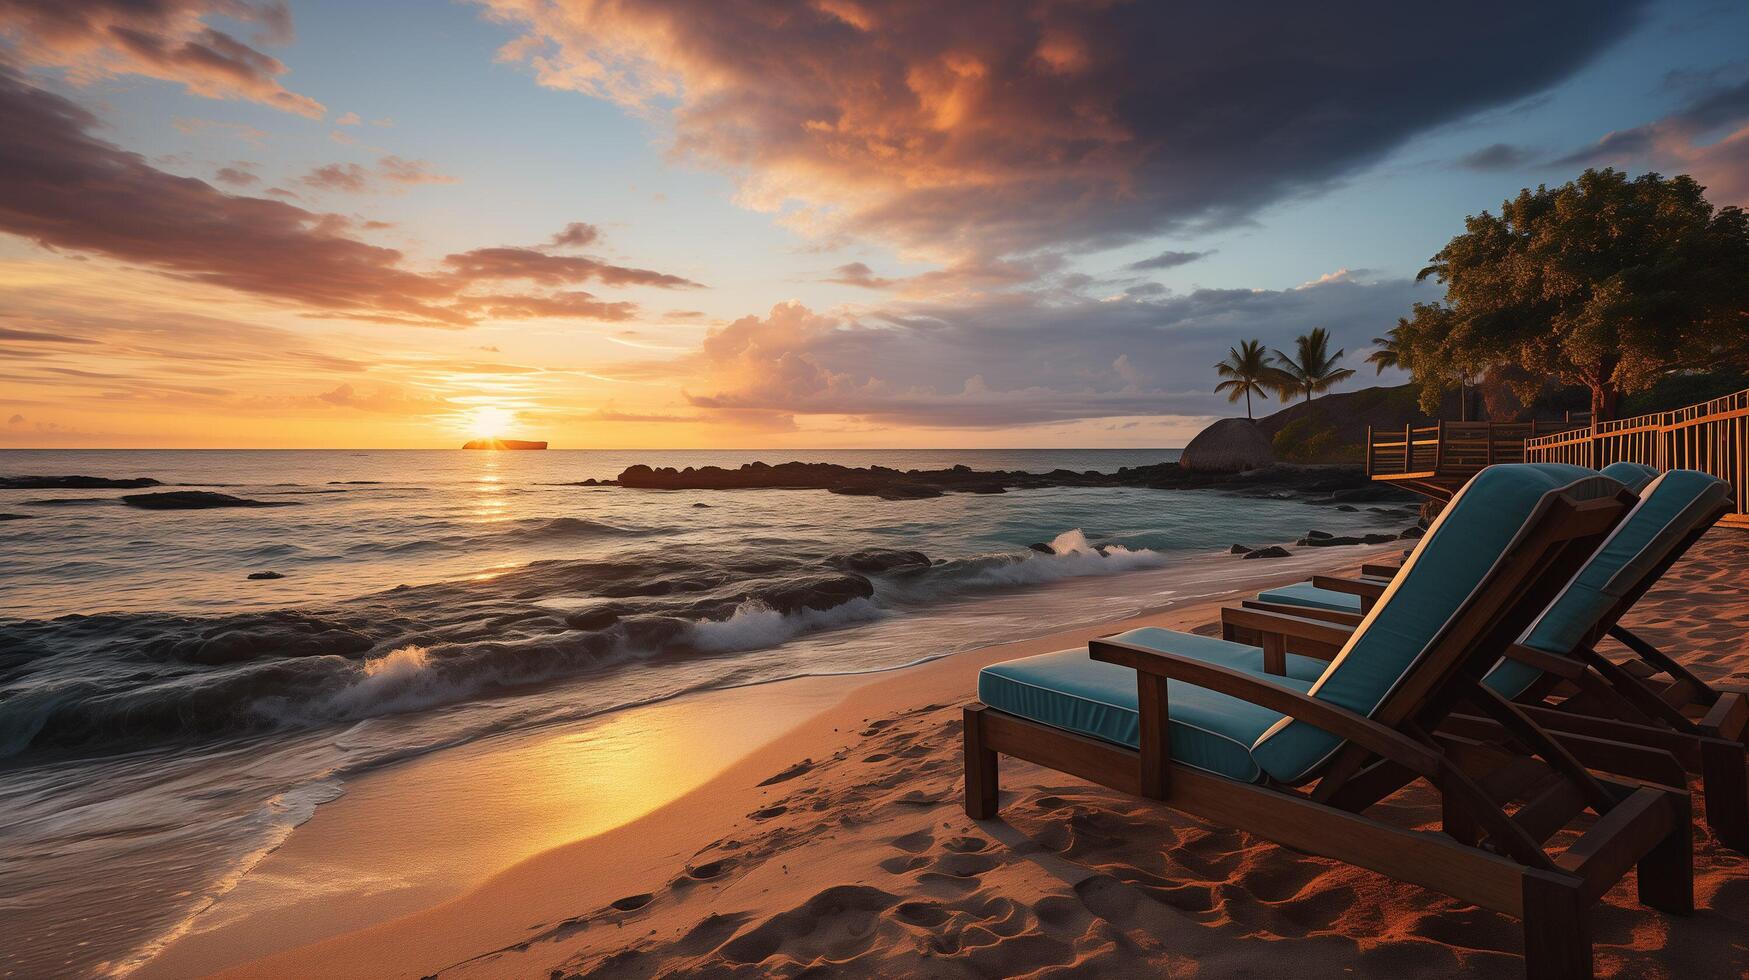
82 683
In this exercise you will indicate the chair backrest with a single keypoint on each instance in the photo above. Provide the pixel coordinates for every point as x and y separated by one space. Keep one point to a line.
1634 476
1467 571
1671 510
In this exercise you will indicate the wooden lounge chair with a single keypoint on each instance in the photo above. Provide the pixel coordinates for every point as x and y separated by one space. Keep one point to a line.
1556 673
1300 762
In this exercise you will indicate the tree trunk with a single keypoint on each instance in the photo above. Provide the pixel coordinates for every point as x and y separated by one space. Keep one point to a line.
1605 401
1247 401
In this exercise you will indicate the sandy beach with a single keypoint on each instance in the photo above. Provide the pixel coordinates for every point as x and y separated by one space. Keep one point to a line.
817 824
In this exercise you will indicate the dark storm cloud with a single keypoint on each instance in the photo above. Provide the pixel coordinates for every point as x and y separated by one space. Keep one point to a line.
993 127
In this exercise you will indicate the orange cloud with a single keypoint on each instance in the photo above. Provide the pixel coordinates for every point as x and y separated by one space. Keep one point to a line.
985 128
166 39
62 187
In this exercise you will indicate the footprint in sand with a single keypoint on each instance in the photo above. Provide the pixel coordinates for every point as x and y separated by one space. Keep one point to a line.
769 812
800 768
915 843
708 871
631 903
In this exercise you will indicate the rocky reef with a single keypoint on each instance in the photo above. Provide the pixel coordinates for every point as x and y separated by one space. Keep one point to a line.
1332 484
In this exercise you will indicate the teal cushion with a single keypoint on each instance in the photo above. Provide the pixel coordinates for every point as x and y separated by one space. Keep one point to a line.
1214 650
1074 692
1634 476
1669 509
1307 594
1459 551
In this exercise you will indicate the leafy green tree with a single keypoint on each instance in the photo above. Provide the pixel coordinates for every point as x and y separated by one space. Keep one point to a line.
1247 369
1607 282
1312 368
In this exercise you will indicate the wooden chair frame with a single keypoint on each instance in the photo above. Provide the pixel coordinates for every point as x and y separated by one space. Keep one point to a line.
1487 856
1652 701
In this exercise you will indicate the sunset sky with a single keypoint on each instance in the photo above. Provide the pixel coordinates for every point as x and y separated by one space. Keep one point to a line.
728 223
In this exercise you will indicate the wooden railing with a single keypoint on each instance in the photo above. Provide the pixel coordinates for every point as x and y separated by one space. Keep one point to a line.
1451 449
1712 437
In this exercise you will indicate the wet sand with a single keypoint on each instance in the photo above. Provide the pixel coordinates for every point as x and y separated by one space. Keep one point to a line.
840 844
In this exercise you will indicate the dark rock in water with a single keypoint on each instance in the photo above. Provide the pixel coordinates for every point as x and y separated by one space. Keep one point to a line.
1042 548
1273 551
263 576
1228 446
701 504
1240 549
13 517
876 560
1412 533
194 500
74 483
1327 541
1318 534
816 592
71 502
1377 538
1347 508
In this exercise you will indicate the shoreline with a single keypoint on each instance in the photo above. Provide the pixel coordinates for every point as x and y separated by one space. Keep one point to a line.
333 881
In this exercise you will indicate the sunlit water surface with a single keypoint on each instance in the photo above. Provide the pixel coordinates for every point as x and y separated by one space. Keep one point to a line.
165 720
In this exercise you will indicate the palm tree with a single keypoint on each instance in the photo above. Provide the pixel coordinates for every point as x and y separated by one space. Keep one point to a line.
1313 369
1389 351
1247 369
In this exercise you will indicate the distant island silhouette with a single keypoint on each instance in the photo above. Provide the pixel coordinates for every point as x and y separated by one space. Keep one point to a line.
503 444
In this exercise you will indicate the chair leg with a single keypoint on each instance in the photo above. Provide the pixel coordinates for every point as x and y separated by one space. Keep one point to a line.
1725 783
1666 872
1456 821
980 768
1557 930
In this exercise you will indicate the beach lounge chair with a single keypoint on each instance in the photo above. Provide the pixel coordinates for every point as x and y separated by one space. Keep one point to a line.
1556 673
1357 596
1299 762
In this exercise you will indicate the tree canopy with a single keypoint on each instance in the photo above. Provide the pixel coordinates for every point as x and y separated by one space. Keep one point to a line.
1606 282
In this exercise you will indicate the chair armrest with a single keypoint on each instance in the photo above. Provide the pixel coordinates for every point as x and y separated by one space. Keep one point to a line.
1380 571
1338 721
1337 616
1297 627
1351 586
1552 663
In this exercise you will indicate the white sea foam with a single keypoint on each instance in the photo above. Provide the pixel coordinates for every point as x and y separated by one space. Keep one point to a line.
755 625
1073 557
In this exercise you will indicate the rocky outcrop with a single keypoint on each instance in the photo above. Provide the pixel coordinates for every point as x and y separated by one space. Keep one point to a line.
1228 446
1273 551
1315 484
75 483
194 500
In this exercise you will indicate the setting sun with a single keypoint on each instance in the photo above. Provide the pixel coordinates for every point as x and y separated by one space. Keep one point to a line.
490 422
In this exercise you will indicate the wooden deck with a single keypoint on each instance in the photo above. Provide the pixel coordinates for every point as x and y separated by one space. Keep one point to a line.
1437 458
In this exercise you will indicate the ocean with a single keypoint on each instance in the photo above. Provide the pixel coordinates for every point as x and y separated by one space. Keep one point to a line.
165 720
